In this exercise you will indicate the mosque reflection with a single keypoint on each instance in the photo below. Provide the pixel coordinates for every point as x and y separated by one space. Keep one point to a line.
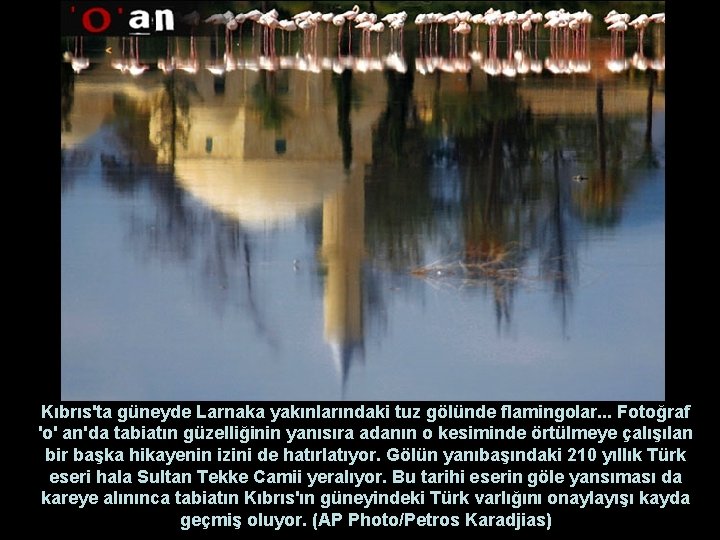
397 168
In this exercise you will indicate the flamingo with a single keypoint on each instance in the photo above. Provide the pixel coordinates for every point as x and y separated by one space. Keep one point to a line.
586 20
477 20
522 18
327 19
314 19
658 18
610 15
362 18
365 17
617 33
241 18
493 19
463 28
253 16
397 25
364 26
536 19
217 20
270 22
339 22
525 28
306 26
553 24
230 27
420 22
378 28
451 19
398 19
287 26
624 17
575 27
510 19
350 16
639 24
302 15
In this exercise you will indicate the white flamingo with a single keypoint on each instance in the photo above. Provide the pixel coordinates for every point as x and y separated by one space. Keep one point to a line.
217 20
339 22
364 27
525 27
241 18
658 18
269 22
510 19
451 19
327 19
378 28
617 36
421 20
350 16
307 26
493 19
612 19
288 27
609 16
397 25
463 28
639 23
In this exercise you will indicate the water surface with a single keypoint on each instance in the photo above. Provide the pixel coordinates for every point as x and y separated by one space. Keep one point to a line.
387 227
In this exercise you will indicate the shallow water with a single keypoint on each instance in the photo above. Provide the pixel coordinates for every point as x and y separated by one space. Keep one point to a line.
387 227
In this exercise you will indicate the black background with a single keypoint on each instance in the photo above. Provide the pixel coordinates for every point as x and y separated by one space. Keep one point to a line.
36 344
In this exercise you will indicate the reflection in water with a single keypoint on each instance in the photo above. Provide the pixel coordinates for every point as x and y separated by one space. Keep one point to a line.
343 88
470 184
67 96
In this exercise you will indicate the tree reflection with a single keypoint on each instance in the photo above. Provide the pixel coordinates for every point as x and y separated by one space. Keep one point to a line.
67 99
210 245
514 168
268 104
170 122
343 92
67 96
398 206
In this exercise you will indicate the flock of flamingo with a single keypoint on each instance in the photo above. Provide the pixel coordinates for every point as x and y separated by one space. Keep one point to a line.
568 31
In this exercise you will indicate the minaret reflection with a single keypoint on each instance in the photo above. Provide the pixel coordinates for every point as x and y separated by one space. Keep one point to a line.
343 248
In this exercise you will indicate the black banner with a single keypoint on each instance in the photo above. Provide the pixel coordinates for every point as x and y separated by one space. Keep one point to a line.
257 467
133 18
